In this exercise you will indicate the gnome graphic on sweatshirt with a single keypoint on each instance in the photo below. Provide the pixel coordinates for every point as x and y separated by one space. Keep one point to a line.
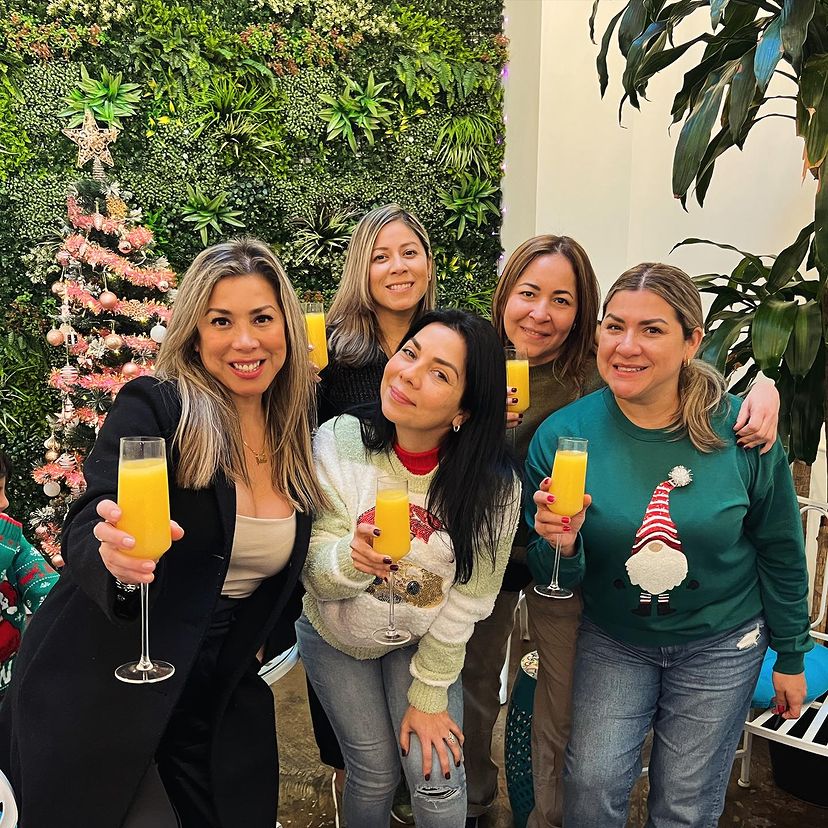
657 564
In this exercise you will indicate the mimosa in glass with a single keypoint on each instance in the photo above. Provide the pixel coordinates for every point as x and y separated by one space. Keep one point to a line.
517 376
317 338
143 498
568 485
391 517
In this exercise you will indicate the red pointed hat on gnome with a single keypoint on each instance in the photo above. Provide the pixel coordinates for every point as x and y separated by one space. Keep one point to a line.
657 524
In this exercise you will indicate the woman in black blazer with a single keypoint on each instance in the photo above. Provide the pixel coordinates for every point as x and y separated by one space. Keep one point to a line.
233 396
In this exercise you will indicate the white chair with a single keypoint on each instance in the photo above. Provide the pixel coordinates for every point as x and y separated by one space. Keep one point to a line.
8 818
275 669
813 718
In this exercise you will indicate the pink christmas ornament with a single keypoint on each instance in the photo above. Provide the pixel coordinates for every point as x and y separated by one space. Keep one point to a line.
108 299
130 369
55 337
113 342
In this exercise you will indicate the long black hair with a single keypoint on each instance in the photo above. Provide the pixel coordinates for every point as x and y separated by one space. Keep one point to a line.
474 478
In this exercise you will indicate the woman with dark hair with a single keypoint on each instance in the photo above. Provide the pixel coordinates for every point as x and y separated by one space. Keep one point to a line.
233 398
438 425
689 556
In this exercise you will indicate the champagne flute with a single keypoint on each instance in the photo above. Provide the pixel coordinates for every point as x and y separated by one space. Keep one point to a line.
392 519
317 338
568 485
143 498
517 376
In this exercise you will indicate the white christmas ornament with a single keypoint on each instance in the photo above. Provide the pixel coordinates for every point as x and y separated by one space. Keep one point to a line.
157 333
51 488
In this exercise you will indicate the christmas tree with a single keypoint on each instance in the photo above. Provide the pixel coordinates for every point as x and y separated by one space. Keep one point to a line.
113 292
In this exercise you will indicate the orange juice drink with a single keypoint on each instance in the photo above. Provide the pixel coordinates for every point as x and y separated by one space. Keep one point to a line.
315 323
568 482
517 376
143 498
392 520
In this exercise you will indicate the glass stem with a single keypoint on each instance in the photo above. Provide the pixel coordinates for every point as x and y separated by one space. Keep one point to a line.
556 563
392 628
144 663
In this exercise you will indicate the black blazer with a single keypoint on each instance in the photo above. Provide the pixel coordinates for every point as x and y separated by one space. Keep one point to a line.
75 741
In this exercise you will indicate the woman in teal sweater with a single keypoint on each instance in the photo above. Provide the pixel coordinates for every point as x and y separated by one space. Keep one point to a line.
690 558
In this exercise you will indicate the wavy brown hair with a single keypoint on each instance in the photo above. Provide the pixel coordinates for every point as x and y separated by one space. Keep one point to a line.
579 345
355 330
702 389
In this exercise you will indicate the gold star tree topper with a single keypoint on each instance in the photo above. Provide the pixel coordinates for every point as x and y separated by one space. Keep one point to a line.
93 144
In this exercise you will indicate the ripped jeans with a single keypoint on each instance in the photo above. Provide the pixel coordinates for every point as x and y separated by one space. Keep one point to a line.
365 701
695 696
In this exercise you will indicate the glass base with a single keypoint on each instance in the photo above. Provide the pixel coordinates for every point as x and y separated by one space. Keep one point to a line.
131 673
391 637
553 592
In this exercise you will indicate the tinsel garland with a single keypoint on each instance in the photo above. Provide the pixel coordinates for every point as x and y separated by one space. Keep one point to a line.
108 380
91 253
133 308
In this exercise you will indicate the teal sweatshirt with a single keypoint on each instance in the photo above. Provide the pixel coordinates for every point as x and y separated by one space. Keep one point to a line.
25 579
666 561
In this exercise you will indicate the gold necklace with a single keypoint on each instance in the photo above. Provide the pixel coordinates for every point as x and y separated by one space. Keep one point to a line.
261 456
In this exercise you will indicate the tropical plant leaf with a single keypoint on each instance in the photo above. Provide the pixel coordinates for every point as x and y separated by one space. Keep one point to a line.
633 21
716 345
601 60
771 330
695 134
789 260
805 340
796 17
755 260
740 97
717 9
812 110
769 52
807 412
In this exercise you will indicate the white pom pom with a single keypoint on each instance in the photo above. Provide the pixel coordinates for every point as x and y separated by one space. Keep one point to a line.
680 476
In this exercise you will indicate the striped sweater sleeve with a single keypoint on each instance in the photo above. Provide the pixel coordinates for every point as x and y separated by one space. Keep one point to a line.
440 654
329 573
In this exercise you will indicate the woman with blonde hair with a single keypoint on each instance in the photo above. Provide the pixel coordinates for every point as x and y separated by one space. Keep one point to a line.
690 558
388 281
233 397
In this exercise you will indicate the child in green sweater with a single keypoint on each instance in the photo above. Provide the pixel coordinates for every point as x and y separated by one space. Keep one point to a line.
690 558
25 579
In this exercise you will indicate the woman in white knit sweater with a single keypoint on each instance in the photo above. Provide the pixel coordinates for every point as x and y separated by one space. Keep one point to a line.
439 425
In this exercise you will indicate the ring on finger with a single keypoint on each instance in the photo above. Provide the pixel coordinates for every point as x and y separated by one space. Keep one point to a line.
451 738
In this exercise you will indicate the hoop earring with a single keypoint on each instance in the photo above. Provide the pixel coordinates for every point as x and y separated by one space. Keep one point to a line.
455 428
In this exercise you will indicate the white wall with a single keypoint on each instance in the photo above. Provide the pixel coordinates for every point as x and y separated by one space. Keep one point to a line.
609 186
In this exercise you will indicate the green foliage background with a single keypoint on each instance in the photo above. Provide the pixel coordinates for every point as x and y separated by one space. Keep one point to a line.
297 116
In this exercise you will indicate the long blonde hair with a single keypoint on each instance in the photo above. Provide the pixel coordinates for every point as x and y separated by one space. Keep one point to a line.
208 436
352 317
579 345
702 389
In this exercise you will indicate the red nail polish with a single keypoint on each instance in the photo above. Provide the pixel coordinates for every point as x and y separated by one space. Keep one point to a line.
448 776
780 709
550 498
394 567
566 528
565 520
427 777
387 560
403 751
377 533
544 481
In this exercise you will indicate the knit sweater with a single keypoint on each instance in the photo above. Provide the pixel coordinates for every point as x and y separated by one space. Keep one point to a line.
342 387
25 579
346 606
678 545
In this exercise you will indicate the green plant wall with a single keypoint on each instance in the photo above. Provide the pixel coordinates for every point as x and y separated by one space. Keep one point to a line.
278 118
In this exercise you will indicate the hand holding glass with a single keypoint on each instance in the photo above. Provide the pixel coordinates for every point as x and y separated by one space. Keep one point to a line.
317 338
143 498
517 376
391 517
568 485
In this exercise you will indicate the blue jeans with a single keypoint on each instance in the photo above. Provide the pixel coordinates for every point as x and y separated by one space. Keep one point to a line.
695 696
365 702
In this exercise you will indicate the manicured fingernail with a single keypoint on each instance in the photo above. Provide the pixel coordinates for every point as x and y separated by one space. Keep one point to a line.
544 481
457 764
403 751
550 498
565 520
514 400
387 560
393 567
427 777
448 776
566 528
377 532
513 390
